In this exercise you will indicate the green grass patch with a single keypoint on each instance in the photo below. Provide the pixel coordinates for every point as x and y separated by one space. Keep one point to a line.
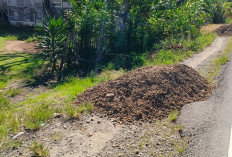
173 115
38 115
32 39
85 108
39 149
4 102
71 110
169 55
217 63
13 92
18 66
11 37
2 42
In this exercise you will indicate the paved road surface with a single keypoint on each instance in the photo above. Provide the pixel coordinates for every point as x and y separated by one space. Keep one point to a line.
209 123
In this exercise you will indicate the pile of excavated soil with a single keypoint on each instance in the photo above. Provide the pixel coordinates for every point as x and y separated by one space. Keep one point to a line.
147 93
225 30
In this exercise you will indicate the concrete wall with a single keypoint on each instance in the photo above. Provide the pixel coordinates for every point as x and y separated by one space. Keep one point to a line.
30 12
24 12
2 8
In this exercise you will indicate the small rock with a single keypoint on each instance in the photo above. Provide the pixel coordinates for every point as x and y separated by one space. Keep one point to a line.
65 127
110 95
18 135
42 124
87 121
56 115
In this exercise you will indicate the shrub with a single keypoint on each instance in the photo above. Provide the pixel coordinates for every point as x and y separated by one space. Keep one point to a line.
39 149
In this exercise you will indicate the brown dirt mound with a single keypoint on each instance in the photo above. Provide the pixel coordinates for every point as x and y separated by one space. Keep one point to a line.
147 93
225 30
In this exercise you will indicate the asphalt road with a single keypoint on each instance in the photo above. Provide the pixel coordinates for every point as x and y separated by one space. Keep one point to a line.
208 123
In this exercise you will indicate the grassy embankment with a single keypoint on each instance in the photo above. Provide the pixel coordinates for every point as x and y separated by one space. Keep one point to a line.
35 110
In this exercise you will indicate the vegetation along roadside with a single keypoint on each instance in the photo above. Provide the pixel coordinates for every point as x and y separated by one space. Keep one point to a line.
88 47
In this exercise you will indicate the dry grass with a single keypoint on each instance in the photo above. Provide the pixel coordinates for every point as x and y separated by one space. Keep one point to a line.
210 28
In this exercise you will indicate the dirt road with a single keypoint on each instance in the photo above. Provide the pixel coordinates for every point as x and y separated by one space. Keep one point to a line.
200 59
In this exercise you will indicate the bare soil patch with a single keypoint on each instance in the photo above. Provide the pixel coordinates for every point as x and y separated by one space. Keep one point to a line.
210 28
225 30
97 136
21 46
147 93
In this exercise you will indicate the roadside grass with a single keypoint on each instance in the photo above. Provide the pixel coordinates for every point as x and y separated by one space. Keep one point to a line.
37 110
213 69
74 111
186 50
39 149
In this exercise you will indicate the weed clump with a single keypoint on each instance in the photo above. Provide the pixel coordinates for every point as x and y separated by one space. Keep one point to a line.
39 150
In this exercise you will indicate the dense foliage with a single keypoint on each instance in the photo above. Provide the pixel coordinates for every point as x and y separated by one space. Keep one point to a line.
117 33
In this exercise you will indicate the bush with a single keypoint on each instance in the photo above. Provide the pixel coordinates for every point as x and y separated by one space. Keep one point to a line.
99 32
4 24
216 10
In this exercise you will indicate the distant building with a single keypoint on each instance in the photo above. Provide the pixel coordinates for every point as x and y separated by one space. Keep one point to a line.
31 12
